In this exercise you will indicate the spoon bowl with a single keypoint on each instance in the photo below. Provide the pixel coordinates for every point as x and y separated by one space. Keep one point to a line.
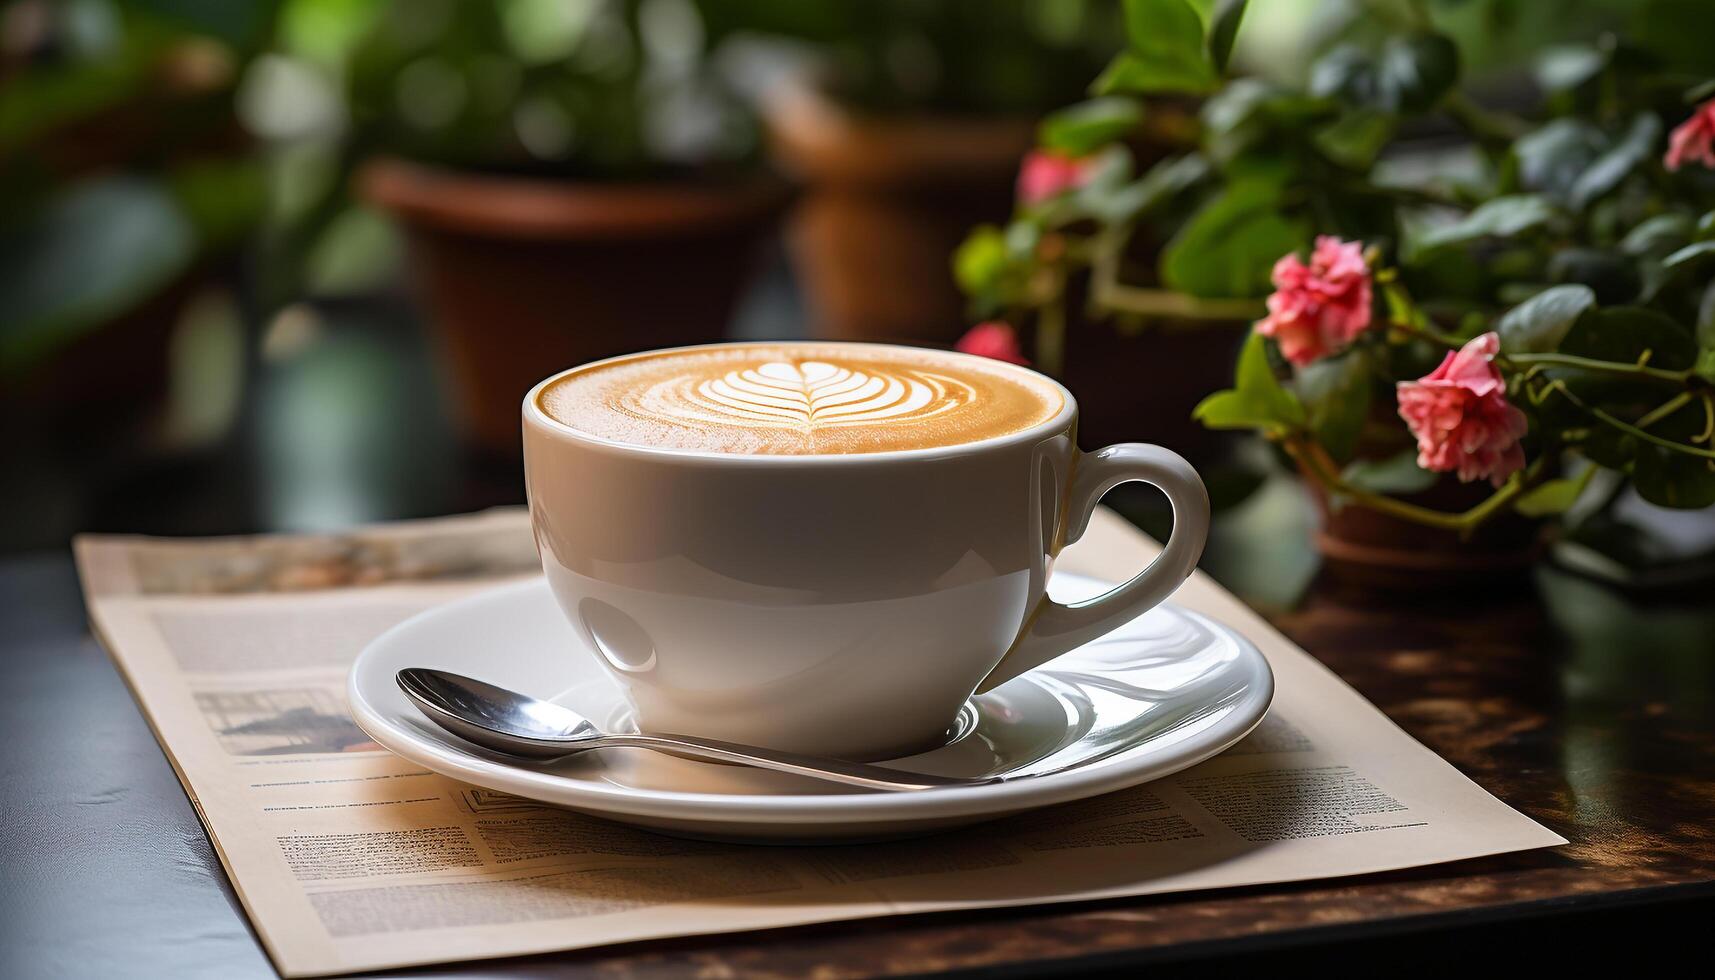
516 724
494 717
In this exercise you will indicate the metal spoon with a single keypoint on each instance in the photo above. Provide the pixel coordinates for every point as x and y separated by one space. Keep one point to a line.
516 724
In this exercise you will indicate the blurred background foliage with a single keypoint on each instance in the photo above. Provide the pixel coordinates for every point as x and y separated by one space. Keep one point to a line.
949 57
182 254
204 125
594 91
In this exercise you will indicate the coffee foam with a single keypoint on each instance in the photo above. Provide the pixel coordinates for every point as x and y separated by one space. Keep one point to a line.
800 399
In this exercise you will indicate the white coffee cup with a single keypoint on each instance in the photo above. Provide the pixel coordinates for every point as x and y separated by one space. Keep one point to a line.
841 605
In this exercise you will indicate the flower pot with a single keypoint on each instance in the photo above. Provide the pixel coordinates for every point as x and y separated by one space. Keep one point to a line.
1370 550
524 277
888 200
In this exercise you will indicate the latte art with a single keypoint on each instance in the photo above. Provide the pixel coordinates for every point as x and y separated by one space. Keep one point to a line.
808 395
800 399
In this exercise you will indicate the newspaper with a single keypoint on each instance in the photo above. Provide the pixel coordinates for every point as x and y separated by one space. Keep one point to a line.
348 858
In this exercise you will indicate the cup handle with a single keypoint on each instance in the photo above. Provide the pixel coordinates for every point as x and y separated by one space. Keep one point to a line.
1055 628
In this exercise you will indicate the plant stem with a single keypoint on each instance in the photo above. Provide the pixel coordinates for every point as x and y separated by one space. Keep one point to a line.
1629 429
1622 424
1601 367
1108 294
1555 360
1424 333
1316 460
1663 410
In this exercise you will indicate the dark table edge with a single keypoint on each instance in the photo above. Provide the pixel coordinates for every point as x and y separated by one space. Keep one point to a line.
1545 909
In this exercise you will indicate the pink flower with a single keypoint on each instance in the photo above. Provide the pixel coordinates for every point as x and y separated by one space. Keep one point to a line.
1319 309
1461 418
1694 139
992 339
1045 174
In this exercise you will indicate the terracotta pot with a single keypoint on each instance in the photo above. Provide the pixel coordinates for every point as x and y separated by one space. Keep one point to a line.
1365 548
887 202
524 277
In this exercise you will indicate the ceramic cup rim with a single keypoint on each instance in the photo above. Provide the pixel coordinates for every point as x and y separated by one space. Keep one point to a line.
1064 419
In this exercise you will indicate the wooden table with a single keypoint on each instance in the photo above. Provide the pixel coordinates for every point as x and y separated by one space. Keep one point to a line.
108 871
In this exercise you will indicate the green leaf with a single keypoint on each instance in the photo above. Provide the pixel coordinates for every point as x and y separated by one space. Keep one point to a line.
1346 72
1336 394
1228 247
1397 474
1624 334
1163 182
1417 70
1233 119
1131 73
1223 29
1247 112
1230 410
1553 158
1658 236
980 260
1538 324
1500 217
90 254
1612 167
1411 74
1356 138
1671 479
1163 25
1705 366
1691 256
1166 52
1613 276
1553 497
1082 129
1257 400
1562 68
1255 379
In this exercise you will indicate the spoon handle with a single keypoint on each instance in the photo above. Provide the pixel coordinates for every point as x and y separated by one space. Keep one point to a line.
833 770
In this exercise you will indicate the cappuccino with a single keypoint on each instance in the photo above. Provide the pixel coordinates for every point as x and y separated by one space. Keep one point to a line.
800 399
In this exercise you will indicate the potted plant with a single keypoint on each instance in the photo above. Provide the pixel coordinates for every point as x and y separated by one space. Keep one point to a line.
126 184
906 129
1451 351
573 181
1089 272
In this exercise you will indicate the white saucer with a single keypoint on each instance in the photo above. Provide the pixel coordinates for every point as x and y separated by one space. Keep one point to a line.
1165 692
